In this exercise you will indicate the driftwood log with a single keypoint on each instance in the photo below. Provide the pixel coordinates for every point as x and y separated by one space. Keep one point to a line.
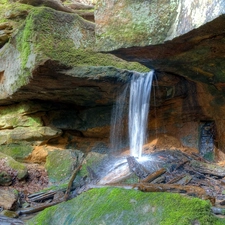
41 196
137 168
66 197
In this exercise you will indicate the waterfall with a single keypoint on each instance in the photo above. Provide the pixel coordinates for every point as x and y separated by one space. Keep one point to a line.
117 134
140 91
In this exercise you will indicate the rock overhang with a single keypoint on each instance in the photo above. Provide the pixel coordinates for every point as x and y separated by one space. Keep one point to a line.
54 59
196 55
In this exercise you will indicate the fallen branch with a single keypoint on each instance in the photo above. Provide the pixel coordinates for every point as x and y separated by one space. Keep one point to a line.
207 168
66 196
153 176
175 188
37 197
38 208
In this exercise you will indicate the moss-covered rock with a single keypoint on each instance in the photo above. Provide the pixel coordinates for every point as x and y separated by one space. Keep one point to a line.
18 151
61 163
20 168
32 134
9 213
63 46
20 115
119 206
12 14
5 178
93 160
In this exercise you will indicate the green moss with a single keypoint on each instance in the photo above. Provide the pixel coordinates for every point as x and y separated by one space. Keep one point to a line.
17 116
58 43
5 178
19 167
92 160
18 151
2 2
14 11
23 41
59 187
119 206
60 164
131 26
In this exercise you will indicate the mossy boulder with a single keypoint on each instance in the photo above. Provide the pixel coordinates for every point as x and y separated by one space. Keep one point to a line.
53 54
61 163
18 151
119 206
10 163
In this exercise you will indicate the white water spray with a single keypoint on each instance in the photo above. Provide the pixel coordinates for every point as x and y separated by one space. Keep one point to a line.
140 92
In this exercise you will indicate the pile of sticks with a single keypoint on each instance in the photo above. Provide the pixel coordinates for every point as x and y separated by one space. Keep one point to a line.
175 171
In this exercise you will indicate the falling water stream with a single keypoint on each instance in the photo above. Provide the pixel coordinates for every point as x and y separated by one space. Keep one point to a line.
139 101
127 118
140 92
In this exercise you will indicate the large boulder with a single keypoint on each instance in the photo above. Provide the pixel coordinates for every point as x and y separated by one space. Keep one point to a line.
119 206
8 164
61 163
53 59
140 23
